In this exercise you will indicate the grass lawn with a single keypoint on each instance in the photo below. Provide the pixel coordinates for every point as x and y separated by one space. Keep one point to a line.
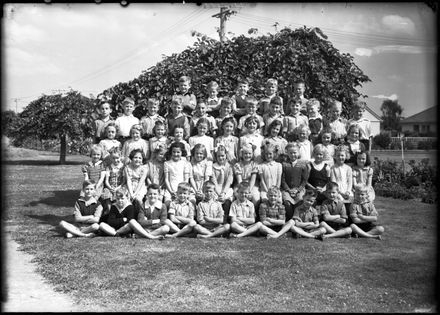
253 274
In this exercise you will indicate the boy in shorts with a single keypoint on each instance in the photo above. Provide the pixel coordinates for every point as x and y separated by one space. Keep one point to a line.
210 214
334 215
242 212
363 214
86 214
181 212
305 221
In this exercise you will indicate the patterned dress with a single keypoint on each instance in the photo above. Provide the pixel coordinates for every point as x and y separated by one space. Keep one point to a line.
115 174
135 175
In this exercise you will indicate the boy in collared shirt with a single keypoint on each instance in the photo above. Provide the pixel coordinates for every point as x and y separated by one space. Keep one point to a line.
299 88
102 122
242 212
147 122
363 214
333 213
305 221
210 214
189 100
363 123
213 101
315 119
270 91
239 99
336 123
181 212
126 121
152 217
272 213
274 113
251 110
201 112
293 120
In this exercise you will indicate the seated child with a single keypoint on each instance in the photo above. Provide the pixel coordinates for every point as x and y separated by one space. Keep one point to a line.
121 212
363 214
334 215
210 215
242 211
272 212
152 217
86 214
305 221
181 212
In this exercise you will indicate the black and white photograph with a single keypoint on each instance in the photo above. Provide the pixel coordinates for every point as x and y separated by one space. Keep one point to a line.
219 157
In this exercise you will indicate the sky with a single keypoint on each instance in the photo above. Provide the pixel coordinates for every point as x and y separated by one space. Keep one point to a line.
88 47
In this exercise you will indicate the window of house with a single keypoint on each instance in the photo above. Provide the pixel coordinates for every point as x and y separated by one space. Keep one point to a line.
416 128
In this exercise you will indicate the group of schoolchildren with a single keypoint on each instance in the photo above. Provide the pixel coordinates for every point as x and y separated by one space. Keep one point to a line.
232 166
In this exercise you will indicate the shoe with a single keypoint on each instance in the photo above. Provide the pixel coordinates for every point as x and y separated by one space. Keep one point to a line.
319 237
232 235
68 235
90 235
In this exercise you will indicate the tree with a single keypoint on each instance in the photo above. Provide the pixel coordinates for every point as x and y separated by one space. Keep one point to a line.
289 55
57 117
391 111
9 121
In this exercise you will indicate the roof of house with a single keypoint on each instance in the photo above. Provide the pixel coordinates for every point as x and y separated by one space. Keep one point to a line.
427 116
372 112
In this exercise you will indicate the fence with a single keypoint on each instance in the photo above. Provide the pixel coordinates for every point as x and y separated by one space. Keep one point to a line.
415 142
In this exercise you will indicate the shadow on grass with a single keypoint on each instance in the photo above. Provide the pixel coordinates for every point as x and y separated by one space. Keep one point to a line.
61 198
50 219
40 162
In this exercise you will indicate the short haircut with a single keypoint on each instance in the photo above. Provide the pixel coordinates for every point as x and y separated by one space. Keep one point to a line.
353 126
270 148
104 103
302 128
251 119
115 151
291 145
184 186
199 103
277 100
185 78
342 148
207 184
159 123
272 81
367 157
313 102
137 127
212 84
110 124
294 100
273 189
136 151
178 145
153 186
96 149
335 103
177 100
242 81
122 191
331 185
88 182
226 101
358 104
299 81
243 185
199 146
128 100
153 101
360 188
273 124
310 193
250 100
319 148
202 120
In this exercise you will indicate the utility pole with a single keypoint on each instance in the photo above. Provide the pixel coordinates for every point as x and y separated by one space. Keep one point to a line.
16 106
223 15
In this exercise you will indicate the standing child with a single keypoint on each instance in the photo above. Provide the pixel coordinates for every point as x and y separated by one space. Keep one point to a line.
304 144
319 173
101 123
228 140
305 221
155 166
152 218
202 138
273 114
201 170
189 100
239 99
293 179
353 144
363 214
325 138
114 178
126 120
178 133
148 121
363 173
135 174
270 91
86 214
199 113
336 123
364 124
247 170
253 137
242 212
121 212
213 101
251 110
135 143
109 143
177 118
315 119
270 171
176 170
160 137
299 87
210 214
273 138
222 177
334 214
293 120
341 174
95 170
225 111
181 212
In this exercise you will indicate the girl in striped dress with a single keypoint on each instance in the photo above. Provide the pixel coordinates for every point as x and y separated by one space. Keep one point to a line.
94 170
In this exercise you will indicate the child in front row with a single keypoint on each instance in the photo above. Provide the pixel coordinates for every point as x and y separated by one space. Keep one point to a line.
86 214
210 214
334 214
242 211
363 214
305 221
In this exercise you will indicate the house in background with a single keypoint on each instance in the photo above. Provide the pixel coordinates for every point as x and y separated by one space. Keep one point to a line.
374 119
423 123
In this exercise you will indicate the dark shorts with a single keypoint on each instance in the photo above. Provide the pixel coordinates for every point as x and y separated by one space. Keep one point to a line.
338 226
366 226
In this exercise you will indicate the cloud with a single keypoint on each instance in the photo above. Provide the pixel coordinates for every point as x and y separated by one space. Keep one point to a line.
398 24
402 49
392 97
363 52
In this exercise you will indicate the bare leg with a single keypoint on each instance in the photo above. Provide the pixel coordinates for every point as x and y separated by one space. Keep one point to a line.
236 228
74 231
286 227
173 227
107 229
339 233
318 231
186 229
164 229
327 227
357 230
202 232
221 230
250 230
139 230
267 230
124 229
300 231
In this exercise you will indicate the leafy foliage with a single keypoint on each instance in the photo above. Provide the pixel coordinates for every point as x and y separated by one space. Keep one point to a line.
9 121
289 55
391 111
382 140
